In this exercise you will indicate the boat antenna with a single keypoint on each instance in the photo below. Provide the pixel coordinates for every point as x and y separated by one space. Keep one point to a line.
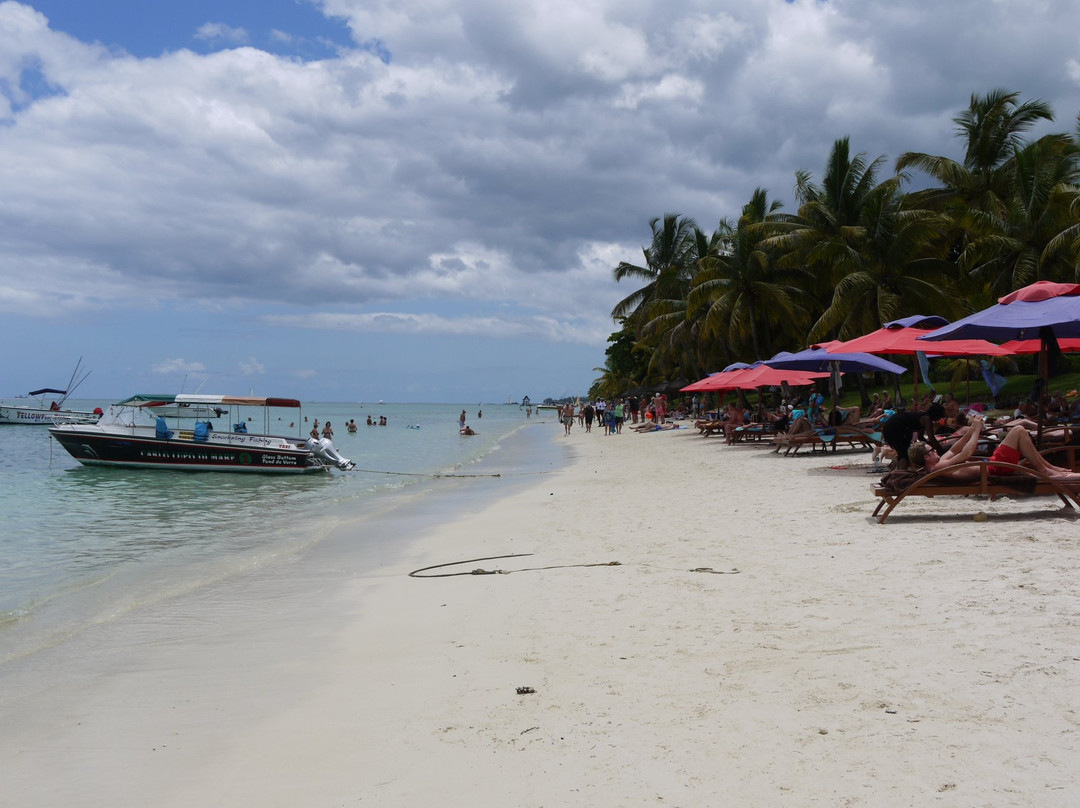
73 382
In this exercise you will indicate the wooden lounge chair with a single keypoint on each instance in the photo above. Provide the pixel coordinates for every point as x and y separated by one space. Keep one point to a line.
1025 482
846 437
751 432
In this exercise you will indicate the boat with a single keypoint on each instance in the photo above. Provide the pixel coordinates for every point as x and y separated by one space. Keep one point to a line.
177 432
47 405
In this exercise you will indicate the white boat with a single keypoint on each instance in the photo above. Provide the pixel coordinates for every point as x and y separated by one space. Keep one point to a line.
46 406
178 432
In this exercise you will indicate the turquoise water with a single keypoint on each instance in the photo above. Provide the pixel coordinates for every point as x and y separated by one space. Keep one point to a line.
83 545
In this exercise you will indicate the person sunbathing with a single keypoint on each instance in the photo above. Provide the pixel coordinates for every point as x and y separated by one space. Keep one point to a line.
1016 446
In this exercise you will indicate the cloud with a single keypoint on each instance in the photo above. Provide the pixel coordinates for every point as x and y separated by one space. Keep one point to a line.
219 32
252 367
482 169
178 365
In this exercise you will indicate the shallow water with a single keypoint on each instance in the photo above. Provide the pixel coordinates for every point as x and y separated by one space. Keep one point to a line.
84 545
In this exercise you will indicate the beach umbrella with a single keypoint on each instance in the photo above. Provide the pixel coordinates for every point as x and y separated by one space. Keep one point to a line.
819 360
901 337
1033 346
1044 310
765 376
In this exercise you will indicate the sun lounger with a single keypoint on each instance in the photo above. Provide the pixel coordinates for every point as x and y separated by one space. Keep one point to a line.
751 432
707 428
1025 482
846 437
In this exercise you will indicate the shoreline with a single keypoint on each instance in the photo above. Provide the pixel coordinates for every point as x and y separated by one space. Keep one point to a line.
761 639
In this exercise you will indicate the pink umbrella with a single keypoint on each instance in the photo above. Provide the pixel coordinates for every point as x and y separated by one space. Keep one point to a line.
902 337
1033 346
765 376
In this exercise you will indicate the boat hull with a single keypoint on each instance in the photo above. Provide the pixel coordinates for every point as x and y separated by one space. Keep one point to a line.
35 416
233 453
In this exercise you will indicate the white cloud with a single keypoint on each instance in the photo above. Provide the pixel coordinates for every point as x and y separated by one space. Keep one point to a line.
252 367
484 177
178 365
220 32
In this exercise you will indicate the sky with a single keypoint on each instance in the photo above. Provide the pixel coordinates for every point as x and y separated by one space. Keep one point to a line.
423 200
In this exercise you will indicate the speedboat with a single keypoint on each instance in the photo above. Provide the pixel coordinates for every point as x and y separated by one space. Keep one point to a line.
47 405
178 432
47 409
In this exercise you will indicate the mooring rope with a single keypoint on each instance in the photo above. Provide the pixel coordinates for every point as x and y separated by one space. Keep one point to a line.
446 474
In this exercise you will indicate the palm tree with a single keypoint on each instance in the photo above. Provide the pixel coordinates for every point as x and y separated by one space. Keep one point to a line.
828 235
992 129
1022 243
669 263
749 302
892 267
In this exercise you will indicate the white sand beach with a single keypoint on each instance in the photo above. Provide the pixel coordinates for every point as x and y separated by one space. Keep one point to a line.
761 642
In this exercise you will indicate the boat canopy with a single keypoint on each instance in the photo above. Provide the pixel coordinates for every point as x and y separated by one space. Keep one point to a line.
45 390
148 400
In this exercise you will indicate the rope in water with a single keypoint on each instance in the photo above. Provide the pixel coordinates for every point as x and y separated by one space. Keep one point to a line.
420 473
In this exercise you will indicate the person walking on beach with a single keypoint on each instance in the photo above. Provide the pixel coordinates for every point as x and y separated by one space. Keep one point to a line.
567 417
590 413
620 416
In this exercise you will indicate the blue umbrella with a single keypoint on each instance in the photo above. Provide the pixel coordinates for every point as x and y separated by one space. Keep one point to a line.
822 361
1041 310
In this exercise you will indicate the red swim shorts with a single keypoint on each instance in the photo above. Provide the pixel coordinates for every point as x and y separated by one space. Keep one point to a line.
1006 454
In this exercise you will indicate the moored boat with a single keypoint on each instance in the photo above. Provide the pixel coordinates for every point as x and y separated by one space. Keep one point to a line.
178 432
46 406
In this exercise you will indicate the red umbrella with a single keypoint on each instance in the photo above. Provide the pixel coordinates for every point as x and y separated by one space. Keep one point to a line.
712 384
1033 346
765 376
898 338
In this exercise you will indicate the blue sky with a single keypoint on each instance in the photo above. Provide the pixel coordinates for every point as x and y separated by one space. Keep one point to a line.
423 200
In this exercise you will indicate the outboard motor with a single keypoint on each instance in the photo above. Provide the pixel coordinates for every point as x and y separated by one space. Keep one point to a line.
324 450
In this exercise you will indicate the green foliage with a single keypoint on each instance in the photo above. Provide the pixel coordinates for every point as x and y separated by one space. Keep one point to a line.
859 252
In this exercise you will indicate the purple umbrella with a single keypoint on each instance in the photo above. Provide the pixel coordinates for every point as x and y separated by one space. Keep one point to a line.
819 360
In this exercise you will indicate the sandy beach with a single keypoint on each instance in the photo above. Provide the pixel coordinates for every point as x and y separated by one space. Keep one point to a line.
760 641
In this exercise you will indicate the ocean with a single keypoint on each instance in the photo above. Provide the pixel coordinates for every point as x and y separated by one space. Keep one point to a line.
83 546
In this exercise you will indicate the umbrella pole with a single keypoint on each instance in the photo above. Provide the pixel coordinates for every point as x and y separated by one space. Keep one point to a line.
1043 362
915 391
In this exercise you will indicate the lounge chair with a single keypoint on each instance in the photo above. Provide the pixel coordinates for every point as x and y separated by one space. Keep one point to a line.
1025 482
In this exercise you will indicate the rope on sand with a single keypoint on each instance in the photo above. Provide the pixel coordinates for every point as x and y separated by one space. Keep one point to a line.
481 571
416 573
